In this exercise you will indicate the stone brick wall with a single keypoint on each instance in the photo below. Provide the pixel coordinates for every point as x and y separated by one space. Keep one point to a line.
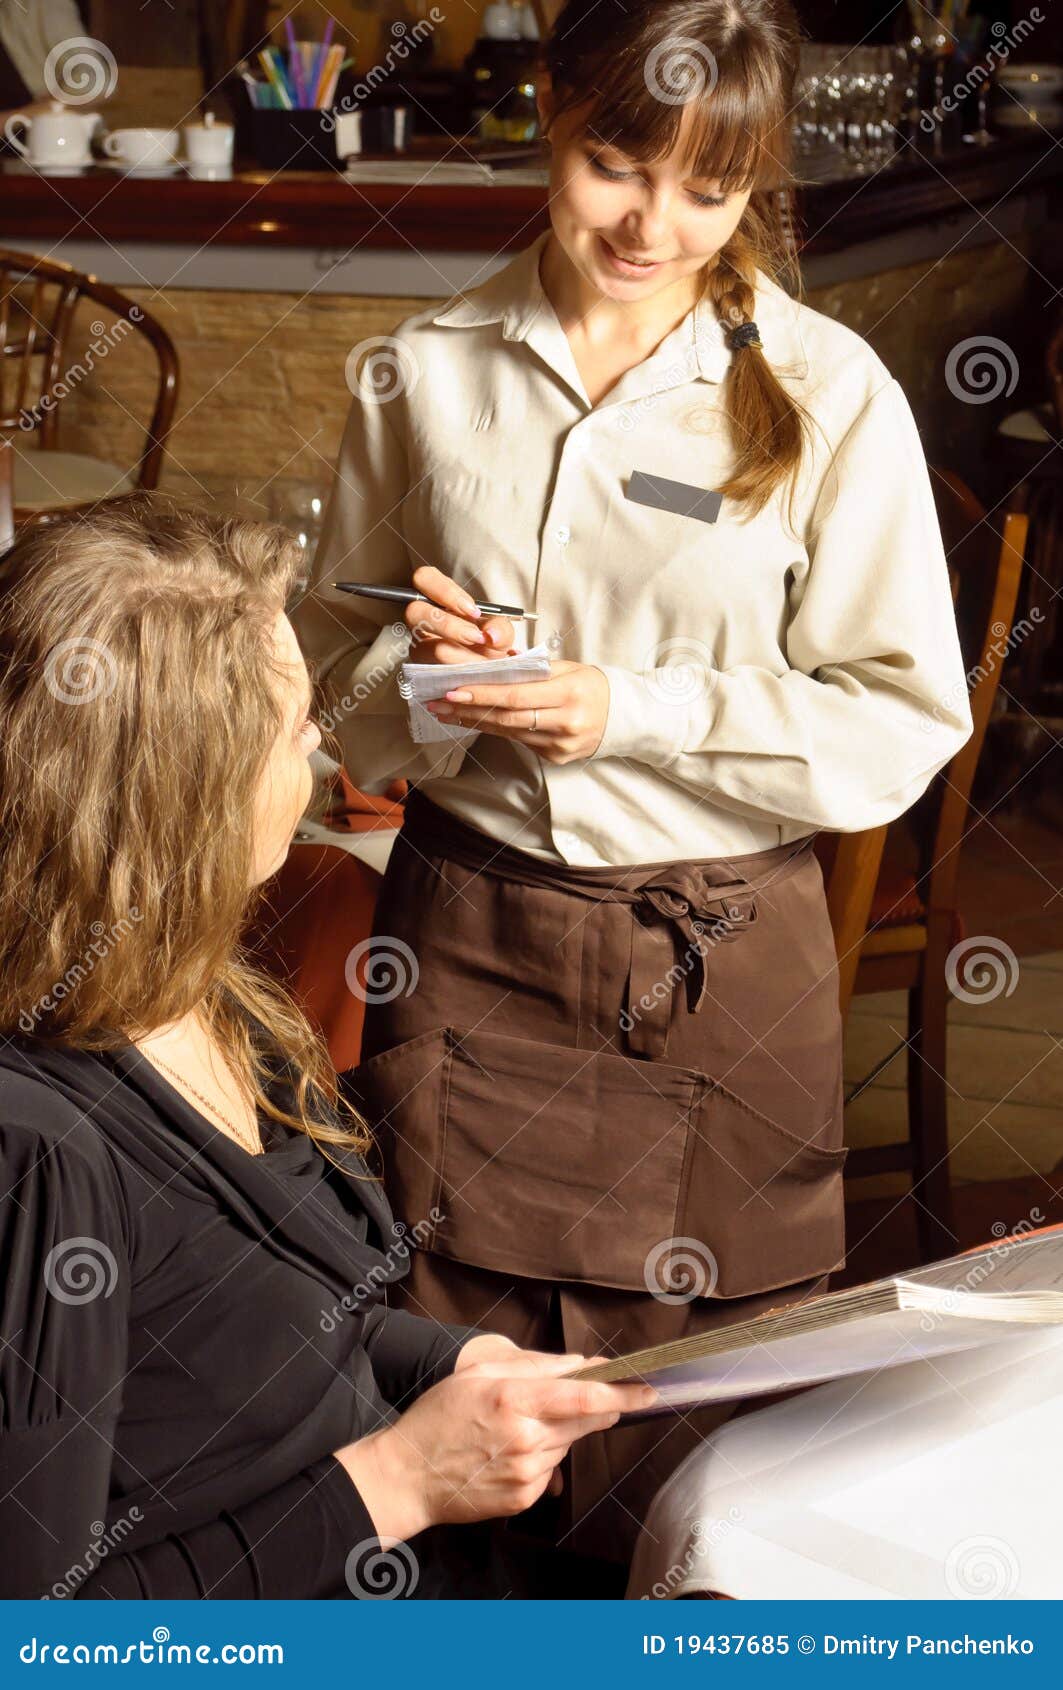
263 397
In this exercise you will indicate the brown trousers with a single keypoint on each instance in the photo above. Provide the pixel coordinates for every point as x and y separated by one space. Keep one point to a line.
609 1103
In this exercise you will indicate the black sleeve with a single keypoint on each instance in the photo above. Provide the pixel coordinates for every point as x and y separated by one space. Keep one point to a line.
410 1353
64 1310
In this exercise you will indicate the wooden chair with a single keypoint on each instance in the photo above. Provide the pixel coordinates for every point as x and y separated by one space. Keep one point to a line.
850 864
44 352
915 920
7 498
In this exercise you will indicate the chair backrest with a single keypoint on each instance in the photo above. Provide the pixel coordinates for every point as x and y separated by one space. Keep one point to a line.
1054 364
850 864
985 566
986 555
38 360
7 495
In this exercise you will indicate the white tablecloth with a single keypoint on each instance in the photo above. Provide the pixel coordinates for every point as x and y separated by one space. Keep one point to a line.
933 1480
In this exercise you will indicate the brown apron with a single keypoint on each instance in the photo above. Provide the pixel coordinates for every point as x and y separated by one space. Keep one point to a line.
609 1102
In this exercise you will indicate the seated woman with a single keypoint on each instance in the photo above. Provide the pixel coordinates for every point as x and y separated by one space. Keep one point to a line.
203 1391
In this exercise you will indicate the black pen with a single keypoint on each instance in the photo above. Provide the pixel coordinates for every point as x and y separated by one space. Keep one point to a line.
407 595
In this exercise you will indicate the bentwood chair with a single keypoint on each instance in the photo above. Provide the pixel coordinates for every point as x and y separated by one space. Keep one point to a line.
7 502
48 350
915 921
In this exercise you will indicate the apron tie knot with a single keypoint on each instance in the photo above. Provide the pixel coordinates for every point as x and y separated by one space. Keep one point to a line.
655 972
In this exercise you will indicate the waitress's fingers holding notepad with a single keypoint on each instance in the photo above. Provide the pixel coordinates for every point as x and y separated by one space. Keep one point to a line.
445 630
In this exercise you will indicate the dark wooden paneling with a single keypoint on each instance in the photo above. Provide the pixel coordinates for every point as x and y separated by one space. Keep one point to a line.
160 34
321 209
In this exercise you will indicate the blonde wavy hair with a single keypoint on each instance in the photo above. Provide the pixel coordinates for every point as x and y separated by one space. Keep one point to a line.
139 699
739 59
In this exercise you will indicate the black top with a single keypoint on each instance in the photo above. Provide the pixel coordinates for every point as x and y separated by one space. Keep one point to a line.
187 1332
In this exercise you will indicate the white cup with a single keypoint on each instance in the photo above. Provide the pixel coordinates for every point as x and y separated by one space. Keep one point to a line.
209 144
143 149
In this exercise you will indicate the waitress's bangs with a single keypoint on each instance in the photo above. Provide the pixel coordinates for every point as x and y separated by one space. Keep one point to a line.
739 135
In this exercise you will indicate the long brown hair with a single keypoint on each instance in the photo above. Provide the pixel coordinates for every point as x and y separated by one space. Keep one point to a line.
139 699
636 65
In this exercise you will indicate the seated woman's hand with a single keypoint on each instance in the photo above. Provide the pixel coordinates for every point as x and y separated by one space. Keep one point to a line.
450 629
493 1350
482 1444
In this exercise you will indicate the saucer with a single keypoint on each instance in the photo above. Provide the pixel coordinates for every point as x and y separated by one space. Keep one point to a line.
155 172
23 167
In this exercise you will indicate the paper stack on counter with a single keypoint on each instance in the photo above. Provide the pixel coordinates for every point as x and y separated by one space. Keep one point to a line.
421 682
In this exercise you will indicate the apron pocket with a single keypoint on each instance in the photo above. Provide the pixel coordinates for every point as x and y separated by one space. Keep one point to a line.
556 1163
543 1160
768 1204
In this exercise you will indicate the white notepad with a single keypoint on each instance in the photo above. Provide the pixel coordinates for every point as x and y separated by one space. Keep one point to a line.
420 682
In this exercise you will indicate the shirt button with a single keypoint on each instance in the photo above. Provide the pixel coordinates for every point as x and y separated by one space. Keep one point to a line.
563 534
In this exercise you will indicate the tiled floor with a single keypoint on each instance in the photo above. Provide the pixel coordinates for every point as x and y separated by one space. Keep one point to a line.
1005 1072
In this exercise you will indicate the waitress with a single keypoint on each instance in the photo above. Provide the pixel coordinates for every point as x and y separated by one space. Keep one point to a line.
603 1036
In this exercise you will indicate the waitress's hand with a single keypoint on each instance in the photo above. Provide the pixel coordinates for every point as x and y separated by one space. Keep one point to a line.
481 1445
573 707
451 629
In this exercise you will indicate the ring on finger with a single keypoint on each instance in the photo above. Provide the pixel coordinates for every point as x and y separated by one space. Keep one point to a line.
535 720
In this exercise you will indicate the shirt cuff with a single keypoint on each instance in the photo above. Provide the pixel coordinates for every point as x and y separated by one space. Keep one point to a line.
652 716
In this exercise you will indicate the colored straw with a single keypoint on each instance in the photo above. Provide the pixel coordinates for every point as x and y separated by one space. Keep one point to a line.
321 57
294 62
275 79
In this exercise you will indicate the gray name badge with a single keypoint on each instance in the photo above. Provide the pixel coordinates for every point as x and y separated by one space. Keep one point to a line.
664 495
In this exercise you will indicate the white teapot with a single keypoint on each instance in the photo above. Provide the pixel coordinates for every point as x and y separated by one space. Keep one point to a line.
59 136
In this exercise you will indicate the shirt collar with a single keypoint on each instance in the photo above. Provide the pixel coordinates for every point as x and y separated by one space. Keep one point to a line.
514 297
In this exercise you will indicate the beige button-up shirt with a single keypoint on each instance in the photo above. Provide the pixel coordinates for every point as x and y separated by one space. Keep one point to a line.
765 680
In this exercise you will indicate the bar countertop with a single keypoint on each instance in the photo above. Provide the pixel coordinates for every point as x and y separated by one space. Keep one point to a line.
316 209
